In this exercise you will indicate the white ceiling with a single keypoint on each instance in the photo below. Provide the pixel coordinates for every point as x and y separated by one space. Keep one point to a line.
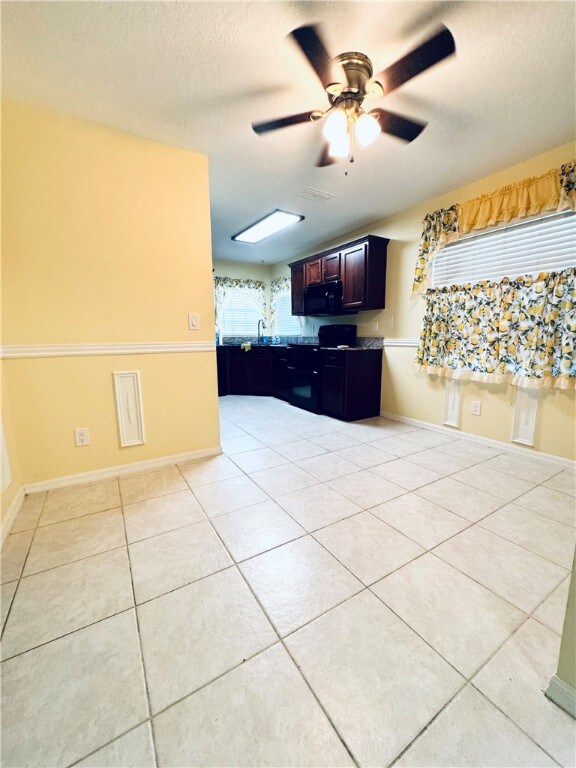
197 74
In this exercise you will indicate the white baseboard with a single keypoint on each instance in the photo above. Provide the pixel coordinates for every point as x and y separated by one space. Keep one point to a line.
11 513
118 471
563 694
498 444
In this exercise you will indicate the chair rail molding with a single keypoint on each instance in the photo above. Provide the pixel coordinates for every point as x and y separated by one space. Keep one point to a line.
11 351
400 342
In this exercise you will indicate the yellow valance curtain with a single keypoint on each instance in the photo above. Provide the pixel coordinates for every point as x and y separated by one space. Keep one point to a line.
555 190
528 197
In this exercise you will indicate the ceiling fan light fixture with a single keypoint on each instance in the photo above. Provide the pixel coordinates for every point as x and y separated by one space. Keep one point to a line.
269 225
367 129
336 126
340 146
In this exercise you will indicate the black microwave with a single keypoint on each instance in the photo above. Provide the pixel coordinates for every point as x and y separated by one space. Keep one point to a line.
323 299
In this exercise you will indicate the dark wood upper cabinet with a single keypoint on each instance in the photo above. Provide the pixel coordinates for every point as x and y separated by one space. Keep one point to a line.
298 290
354 277
313 272
331 267
360 265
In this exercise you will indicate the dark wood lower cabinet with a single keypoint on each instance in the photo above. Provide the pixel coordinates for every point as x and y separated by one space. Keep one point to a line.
333 381
247 373
281 376
260 361
222 368
239 376
350 379
351 383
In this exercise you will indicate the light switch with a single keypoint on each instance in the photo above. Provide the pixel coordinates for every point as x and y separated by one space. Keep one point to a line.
193 322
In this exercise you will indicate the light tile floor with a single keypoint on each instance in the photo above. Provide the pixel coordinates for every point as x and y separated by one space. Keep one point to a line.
322 594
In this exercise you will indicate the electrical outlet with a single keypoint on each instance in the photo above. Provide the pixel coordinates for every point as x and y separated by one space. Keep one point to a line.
82 437
375 326
475 407
193 322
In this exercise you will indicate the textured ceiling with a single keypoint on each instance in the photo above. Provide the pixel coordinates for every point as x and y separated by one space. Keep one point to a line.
197 74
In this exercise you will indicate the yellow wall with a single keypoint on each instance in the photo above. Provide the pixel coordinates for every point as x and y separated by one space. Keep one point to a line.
421 396
106 239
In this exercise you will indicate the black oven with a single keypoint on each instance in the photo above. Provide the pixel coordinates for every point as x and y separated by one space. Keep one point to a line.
323 299
305 367
305 384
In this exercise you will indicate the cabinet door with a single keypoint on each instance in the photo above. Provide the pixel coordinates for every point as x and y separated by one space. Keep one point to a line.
222 368
260 360
313 272
333 390
298 290
261 376
331 267
238 373
354 277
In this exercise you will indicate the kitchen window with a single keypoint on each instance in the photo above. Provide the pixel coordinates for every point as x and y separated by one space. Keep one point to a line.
286 323
238 314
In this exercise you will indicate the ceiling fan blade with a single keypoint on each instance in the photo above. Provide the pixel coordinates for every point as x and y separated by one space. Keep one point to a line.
308 39
325 158
399 126
281 122
438 47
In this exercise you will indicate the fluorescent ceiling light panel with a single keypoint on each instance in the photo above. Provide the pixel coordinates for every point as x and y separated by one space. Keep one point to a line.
269 225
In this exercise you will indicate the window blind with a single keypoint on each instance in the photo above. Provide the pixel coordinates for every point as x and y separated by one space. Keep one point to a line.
543 244
239 314
286 323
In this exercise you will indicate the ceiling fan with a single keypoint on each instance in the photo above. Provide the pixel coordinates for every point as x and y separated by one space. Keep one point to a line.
346 117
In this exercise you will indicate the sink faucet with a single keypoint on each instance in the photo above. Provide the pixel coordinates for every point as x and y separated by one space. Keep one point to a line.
263 326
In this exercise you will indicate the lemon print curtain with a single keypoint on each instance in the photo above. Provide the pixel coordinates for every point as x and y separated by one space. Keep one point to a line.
522 331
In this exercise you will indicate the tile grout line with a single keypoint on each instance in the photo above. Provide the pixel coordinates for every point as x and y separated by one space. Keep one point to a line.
29 549
511 720
137 618
249 586
208 683
108 743
70 562
522 546
66 634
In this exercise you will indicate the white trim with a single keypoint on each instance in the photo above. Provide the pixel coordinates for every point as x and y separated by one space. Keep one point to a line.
11 512
129 413
119 471
400 342
81 350
499 444
562 694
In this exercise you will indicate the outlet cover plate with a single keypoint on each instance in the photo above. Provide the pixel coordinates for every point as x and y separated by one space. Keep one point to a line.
81 437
